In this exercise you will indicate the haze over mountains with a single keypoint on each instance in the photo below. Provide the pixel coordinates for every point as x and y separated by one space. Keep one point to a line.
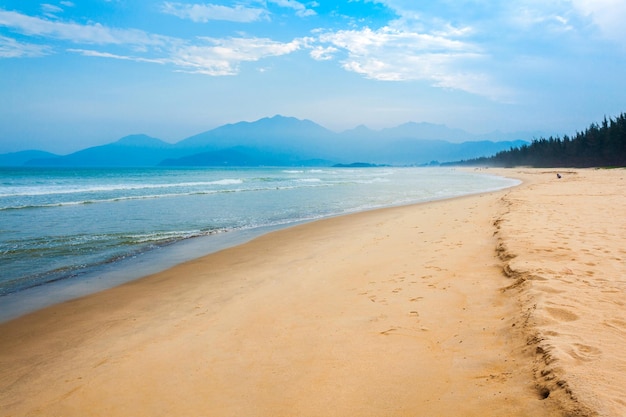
282 141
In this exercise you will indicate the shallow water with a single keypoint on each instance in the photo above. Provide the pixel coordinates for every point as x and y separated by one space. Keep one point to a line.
79 225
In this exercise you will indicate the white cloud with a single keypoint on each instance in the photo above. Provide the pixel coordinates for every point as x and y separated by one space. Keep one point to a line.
98 54
300 9
50 10
395 55
215 57
77 33
320 53
608 15
11 48
201 55
203 13
417 46
535 17
408 49
223 56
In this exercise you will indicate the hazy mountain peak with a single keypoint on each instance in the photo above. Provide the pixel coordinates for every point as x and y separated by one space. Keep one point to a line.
280 140
257 133
360 128
286 122
21 157
423 124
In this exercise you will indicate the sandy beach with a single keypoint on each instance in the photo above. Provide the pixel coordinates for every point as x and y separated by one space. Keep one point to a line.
508 303
564 242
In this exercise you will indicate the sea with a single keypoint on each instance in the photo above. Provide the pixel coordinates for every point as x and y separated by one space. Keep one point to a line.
66 232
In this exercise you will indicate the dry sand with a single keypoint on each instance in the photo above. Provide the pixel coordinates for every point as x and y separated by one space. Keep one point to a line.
396 312
564 242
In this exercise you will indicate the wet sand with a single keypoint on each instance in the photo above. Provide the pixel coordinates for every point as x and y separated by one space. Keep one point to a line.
455 307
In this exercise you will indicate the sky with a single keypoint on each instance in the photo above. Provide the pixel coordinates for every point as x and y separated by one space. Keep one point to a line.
76 73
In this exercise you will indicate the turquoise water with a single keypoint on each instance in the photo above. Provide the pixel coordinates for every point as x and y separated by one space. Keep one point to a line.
65 223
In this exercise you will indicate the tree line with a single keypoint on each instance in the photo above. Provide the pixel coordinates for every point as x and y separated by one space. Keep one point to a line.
602 145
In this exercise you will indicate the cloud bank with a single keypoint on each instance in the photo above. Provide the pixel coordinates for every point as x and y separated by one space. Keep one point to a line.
466 51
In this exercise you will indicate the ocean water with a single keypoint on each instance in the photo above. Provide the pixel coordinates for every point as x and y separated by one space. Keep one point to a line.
70 224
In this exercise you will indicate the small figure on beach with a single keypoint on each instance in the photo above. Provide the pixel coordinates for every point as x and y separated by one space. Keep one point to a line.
558 175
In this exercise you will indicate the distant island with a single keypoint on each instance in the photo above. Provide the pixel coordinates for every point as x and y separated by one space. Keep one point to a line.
282 141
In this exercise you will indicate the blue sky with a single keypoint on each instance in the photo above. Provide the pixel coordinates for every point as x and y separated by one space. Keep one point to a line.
81 73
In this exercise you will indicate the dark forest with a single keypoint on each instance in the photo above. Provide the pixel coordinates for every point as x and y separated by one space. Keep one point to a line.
600 145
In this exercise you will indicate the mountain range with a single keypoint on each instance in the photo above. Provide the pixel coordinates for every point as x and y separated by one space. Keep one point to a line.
281 141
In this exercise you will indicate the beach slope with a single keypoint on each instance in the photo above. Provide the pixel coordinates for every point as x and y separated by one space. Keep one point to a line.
563 241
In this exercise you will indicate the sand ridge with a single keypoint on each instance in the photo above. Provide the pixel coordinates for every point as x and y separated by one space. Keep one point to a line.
563 241
402 311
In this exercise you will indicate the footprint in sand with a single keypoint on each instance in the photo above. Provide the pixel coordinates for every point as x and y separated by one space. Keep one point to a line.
617 324
561 314
375 299
378 318
584 353
551 290
436 268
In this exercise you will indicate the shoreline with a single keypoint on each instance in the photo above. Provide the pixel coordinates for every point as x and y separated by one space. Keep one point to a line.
402 310
109 275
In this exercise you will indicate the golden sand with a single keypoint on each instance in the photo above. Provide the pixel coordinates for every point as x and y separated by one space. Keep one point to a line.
564 242
397 312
